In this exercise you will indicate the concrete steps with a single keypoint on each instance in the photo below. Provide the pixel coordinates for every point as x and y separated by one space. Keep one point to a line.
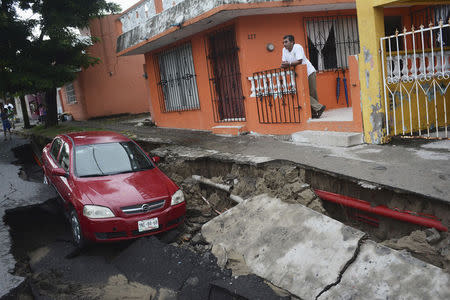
328 138
229 129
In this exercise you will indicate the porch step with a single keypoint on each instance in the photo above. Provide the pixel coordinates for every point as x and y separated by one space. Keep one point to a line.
328 138
229 129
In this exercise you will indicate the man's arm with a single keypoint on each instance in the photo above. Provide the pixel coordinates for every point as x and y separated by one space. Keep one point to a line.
286 64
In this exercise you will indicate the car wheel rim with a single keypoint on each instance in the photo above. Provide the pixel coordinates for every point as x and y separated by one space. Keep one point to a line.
76 229
45 180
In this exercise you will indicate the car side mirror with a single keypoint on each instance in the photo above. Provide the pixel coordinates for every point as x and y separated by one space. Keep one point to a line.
59 172
156 159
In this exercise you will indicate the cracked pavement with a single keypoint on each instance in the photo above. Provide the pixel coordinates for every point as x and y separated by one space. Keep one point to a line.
14 192
143 268
315 257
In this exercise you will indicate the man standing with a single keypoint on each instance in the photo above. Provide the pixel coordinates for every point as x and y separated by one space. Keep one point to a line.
293 55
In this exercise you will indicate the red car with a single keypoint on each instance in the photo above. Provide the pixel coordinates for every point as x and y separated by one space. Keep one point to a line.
110 187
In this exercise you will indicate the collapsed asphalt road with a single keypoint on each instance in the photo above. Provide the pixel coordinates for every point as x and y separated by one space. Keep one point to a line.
14 192
38 260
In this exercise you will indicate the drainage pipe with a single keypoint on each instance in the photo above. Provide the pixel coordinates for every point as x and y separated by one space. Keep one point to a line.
219 186
380 210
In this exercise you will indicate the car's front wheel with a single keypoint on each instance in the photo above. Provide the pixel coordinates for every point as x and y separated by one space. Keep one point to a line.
77 234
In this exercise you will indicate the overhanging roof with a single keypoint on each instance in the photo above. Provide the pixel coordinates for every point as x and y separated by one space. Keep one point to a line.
199 15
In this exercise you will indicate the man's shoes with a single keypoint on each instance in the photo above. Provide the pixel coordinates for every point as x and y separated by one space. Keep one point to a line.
317 114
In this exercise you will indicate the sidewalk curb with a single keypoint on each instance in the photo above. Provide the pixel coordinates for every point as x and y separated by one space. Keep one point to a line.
251 160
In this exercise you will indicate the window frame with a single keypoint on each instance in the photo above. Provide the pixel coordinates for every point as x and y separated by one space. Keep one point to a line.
71 96
55 158
177 91
341 45
60 157
149 160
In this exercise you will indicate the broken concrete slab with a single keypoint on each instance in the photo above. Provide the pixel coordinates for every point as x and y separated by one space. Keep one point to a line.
183 152
293 246
9 281
383 273
198 153
328 138
14 192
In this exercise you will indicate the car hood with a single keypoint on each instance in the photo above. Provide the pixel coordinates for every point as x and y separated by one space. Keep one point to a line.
127 189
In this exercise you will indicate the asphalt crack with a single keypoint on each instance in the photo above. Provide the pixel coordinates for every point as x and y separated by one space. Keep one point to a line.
346 266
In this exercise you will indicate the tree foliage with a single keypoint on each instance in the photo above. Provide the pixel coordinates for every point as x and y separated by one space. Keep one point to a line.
44 52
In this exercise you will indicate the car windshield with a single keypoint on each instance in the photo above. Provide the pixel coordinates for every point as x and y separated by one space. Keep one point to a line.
110 159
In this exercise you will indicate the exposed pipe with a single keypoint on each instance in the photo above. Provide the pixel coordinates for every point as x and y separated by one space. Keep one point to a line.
380 210
223 187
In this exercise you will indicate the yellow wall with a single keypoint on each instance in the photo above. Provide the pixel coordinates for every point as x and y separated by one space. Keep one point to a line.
371 29
412 95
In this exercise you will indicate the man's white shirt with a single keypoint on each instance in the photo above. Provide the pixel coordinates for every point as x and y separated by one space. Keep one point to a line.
297 53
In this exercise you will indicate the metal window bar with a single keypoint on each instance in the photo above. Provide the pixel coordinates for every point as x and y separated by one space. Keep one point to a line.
225 76
331 39
177 85
417 78
276 96
431 16
70 93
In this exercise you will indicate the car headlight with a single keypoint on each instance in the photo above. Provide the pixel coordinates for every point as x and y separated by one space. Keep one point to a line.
97 212
177 197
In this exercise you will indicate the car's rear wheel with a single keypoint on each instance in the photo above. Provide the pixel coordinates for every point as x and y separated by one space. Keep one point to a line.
77 234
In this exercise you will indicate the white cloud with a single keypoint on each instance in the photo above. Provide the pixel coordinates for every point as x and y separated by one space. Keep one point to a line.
125 4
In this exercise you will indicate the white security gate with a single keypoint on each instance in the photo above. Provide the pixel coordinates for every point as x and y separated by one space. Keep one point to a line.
416 72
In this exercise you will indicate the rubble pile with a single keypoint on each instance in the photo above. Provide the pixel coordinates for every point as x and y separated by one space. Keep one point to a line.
428 245
205 202
280 180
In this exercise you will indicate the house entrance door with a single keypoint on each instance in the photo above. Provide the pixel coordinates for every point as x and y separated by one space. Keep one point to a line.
225 77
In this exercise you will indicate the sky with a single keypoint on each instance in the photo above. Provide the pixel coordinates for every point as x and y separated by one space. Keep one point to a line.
125 4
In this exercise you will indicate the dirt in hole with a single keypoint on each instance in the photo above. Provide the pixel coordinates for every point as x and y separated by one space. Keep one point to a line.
205 202
286 182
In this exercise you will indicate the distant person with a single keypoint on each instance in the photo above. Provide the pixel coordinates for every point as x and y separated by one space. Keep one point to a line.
42 113
293 55
5 122
11 113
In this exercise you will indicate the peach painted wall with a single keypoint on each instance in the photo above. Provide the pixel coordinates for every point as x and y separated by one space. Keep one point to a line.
253 57
78 108
116 85
202 118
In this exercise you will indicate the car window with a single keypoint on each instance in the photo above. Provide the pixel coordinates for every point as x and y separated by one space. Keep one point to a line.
110 159
54 150
64 159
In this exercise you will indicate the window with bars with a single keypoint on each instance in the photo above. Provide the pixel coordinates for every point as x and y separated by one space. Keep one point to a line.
177 86
331 40
70 93
430 15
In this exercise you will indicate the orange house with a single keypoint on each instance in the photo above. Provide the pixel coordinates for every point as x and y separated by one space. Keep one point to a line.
114 86
215 65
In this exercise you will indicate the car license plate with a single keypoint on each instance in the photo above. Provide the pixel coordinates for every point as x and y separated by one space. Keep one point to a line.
149 224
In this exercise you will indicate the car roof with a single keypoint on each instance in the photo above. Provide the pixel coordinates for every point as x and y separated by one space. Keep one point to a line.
96 137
